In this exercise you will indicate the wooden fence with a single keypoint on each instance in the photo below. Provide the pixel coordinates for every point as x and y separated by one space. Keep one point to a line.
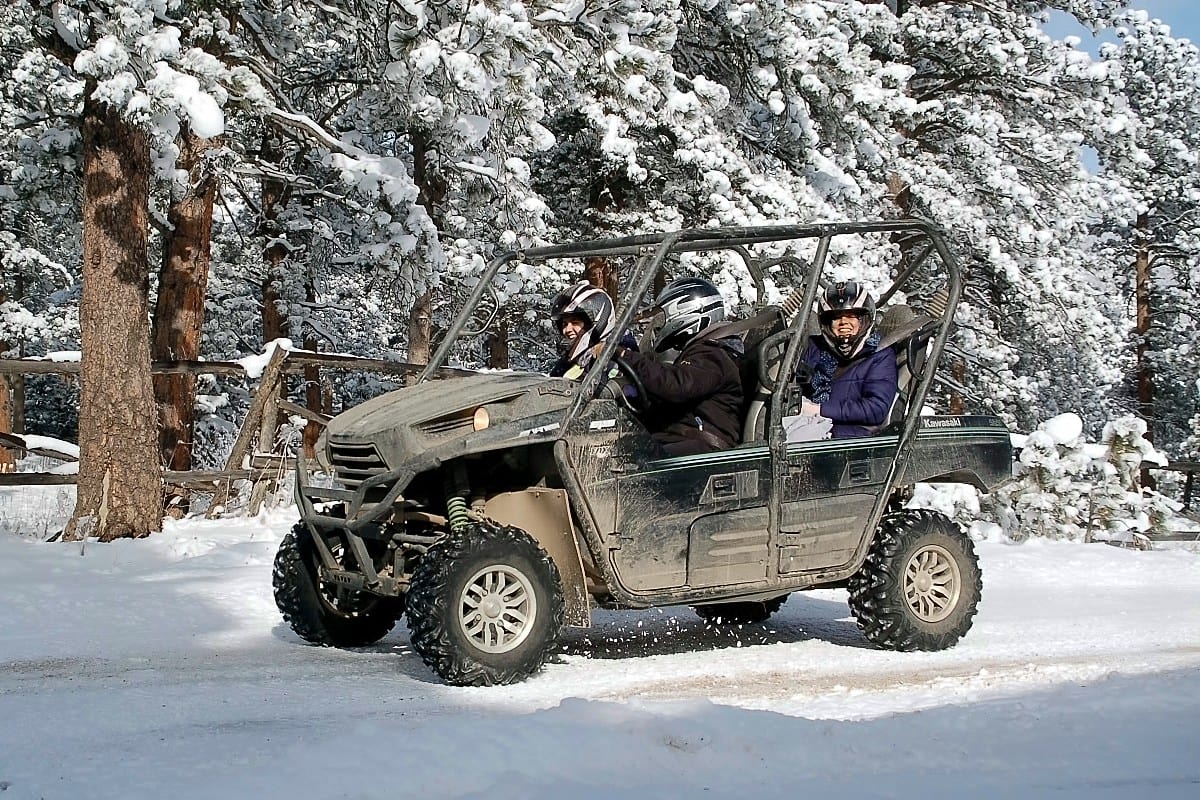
1187 468
248 459
251 458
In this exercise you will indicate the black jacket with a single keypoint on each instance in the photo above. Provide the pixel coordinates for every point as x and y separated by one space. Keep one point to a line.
694 399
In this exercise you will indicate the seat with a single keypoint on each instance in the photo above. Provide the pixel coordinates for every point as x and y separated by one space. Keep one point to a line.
765 348
755 334
907 333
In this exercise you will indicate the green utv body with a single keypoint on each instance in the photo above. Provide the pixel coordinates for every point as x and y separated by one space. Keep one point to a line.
494 508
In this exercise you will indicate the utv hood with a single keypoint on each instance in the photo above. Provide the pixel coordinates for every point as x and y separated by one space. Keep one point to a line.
438 418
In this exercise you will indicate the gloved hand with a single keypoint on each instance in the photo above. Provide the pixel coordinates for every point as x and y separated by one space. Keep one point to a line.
810 408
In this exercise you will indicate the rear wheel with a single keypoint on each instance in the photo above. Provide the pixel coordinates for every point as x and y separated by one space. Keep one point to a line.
324 613
485 606
743 612
920 584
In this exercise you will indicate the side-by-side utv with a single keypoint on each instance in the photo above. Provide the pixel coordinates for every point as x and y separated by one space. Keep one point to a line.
494 508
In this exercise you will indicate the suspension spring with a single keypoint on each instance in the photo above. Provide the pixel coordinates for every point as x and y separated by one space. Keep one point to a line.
456 511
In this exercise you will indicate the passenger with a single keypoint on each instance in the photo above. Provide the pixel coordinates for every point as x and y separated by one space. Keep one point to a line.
851 382
584 316
694 403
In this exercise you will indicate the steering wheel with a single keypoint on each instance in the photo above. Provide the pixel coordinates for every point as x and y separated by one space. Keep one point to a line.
643 399
771 352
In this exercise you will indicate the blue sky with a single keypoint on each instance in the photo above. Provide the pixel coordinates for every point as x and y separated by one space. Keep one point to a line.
1183 16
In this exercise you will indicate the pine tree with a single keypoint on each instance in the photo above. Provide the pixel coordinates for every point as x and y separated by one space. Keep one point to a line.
139 85
1157 242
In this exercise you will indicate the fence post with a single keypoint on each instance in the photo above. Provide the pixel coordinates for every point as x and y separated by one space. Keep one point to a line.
268 389
265 484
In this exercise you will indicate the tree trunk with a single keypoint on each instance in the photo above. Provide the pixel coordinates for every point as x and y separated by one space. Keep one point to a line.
420 331
179 311
8 462
274 195
1145 384
275 320
313 396
17 384
958 371
119 484
1145 375
599 272
319 398
432 192
497 343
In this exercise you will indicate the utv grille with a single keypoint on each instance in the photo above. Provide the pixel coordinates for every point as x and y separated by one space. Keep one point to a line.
354 463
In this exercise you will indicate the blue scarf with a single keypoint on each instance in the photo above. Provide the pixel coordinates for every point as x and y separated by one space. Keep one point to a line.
828 363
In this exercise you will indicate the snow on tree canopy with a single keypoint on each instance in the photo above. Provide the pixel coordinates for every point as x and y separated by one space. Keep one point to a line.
1063 429
414 147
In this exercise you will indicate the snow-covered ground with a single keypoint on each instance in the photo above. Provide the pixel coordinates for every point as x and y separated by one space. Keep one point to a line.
161 668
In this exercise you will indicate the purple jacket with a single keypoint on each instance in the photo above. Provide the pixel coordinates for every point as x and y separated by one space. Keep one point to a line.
862 394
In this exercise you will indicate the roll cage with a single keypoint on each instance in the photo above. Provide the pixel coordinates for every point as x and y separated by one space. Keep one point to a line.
652 250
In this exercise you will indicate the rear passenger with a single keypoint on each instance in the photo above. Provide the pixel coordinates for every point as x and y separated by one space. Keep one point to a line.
850 380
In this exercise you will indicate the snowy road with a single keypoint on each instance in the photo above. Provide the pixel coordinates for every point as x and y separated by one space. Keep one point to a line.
162 666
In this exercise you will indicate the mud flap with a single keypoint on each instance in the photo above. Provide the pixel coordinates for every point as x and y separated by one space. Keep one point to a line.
544 515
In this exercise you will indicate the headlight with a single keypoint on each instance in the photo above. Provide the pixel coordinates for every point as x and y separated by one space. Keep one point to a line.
481 419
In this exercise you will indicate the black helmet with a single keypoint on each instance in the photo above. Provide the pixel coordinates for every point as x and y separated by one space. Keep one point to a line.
687 306
841 297
590 304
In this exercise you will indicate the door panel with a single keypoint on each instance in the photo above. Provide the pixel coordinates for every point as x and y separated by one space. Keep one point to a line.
822 532
693 520
829 489
728 548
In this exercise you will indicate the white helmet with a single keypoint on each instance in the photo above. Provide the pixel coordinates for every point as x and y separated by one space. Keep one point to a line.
590 304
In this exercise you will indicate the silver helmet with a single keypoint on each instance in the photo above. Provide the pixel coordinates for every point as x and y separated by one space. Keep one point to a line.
687 306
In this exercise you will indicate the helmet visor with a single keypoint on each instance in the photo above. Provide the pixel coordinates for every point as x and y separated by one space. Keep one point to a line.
654 319
828 317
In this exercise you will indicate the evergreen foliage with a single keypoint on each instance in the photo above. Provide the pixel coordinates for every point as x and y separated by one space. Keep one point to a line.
1069 488
367 157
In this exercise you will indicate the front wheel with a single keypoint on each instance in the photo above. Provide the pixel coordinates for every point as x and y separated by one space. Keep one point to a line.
326 613
485 606
920 584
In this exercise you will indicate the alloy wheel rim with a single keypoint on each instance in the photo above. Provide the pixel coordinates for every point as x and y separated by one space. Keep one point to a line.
497 608
932 584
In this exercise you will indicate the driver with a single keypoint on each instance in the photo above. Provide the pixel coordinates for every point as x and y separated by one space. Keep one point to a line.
583 314
694 403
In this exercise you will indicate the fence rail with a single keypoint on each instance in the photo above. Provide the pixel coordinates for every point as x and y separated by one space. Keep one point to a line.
261 468
1188 468
295 361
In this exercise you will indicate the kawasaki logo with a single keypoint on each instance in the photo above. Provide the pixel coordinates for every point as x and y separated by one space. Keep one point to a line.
951 422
